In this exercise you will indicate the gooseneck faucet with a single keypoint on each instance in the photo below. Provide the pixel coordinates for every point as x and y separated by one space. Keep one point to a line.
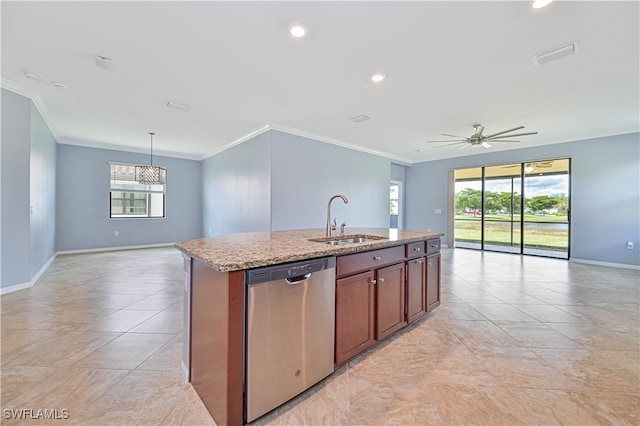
331 227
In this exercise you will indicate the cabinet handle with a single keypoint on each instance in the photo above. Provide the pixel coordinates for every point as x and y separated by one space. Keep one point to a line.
376 258
429 263
419 261
416 248
381 280
373 282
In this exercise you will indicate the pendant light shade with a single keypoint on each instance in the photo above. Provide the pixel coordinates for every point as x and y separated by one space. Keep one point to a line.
151 175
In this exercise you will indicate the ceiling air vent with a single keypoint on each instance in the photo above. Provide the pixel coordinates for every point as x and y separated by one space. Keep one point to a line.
360 118
552 55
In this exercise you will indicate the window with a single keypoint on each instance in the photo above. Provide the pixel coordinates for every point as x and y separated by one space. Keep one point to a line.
130 199
394 205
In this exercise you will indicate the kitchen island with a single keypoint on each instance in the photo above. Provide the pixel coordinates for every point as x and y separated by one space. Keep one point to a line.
385 279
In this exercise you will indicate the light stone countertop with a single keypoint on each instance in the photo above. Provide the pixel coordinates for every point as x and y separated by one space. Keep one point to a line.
234 252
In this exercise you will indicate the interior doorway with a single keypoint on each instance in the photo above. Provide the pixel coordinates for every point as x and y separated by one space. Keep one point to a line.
519 208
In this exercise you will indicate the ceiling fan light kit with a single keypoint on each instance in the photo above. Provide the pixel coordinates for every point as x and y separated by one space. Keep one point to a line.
478 139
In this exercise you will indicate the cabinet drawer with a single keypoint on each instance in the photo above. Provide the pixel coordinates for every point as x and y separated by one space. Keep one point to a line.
350 263
433 246
415 249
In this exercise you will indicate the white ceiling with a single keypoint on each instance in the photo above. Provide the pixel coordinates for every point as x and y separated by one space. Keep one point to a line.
448 65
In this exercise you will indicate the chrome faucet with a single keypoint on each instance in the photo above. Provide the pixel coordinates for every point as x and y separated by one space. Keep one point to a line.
330 226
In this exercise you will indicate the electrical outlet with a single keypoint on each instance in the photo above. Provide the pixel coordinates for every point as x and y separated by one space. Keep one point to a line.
630 245
116 233
437 211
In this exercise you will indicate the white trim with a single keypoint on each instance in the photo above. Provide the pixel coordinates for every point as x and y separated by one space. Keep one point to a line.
326 139
122 148
17 287
185 372
16 88
37 102
610 264
36 277
250 135
118 248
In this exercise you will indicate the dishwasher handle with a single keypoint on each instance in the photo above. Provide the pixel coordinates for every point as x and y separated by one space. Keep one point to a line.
297 280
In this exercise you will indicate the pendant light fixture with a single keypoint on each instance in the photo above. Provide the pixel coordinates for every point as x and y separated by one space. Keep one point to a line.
151 175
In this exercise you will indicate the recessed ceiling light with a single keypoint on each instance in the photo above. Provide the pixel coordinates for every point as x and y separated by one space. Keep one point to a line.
60 85
376 78
32 76
297 30
538 4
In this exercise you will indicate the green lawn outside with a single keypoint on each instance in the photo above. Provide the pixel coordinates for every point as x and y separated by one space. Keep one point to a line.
497 232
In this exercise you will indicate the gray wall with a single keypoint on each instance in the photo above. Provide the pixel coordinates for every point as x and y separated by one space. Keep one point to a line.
16 123
42 193
306 173
237 188
28 191
605 193
279 181
82 201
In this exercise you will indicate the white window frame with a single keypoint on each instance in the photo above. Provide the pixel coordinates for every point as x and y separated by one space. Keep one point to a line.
123 186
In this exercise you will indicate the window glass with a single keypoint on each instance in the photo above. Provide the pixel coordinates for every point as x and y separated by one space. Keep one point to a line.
132 199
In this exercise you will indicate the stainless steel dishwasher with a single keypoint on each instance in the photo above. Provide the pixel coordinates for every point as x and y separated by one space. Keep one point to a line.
290 331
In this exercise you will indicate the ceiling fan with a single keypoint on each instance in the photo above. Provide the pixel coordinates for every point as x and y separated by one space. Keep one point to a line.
477 138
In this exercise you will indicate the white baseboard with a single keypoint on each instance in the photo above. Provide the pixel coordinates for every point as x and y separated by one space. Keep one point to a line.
36 277
118 248
17 287
185 372
610 264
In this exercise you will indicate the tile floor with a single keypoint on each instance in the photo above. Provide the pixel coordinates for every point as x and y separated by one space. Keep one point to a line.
516 340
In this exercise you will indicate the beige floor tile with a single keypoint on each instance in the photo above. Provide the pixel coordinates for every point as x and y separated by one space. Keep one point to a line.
516 340
164 322
127 351
122 320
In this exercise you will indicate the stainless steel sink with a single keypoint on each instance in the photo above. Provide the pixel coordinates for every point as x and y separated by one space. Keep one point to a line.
347 239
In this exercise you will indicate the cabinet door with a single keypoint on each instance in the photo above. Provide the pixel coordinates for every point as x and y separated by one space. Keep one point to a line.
433 281
416 288
390 300
355 319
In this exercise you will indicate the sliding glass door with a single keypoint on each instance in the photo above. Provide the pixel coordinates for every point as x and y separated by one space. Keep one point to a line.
546 207
515 208
502 200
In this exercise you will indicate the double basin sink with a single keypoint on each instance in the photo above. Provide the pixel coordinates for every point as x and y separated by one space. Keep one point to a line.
347 239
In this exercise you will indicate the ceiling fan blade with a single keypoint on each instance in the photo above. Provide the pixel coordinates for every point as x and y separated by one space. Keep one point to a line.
478 128
503 132
449 144
485 144
514 134
453 136
501 140
464 146
450 140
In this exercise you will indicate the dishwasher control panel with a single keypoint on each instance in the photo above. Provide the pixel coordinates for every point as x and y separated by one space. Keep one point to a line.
288 270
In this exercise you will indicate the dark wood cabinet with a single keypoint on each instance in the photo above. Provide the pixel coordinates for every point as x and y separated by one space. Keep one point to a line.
433 281
390 300
355 315
378 292
416 288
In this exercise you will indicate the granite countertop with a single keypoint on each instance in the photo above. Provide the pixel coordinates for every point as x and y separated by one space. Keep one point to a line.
234 252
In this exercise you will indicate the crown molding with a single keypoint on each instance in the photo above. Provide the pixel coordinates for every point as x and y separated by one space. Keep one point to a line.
321 138
122 148
260 130
38 102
